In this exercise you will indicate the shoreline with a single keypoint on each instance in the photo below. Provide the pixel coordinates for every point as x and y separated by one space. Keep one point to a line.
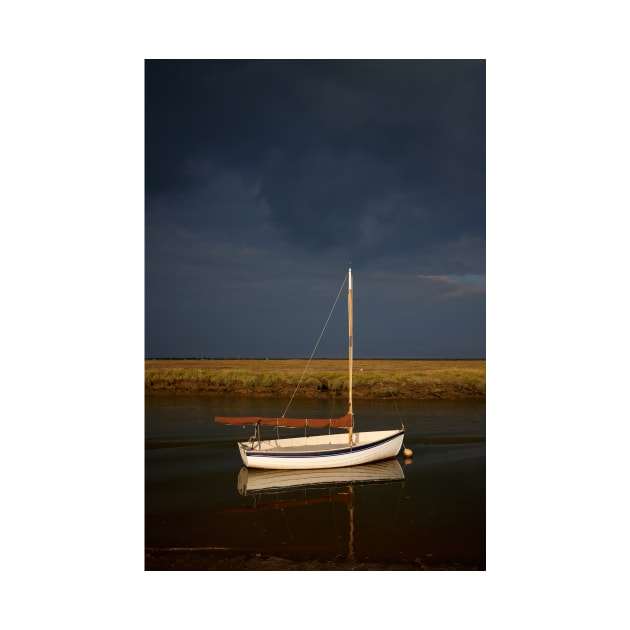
421 379
211 560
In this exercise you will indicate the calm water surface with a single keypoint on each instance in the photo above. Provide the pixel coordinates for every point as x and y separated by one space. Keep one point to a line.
197 494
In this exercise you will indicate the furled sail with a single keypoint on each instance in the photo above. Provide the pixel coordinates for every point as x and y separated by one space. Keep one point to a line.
344 422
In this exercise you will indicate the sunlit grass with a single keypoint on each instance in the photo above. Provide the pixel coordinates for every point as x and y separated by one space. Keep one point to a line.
324 377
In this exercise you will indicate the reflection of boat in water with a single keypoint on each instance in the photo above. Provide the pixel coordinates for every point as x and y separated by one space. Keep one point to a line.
307 488
252 481
332 450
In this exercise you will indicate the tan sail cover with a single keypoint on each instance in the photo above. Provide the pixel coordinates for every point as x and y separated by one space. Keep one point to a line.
317 423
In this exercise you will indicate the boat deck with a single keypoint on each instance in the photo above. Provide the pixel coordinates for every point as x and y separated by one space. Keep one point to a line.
311 448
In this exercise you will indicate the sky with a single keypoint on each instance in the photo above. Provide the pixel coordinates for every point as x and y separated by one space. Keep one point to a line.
266 179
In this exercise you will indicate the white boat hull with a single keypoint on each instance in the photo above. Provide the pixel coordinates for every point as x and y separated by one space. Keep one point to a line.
322 451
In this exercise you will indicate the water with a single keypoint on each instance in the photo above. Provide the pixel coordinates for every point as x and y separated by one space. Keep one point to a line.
434 517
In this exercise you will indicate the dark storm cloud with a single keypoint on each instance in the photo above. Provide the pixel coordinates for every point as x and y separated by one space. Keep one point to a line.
341 152
232 111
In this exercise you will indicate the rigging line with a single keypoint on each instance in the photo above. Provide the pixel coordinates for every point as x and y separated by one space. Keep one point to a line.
317 344
402 424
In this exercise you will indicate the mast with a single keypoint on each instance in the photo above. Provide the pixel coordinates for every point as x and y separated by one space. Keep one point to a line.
350 412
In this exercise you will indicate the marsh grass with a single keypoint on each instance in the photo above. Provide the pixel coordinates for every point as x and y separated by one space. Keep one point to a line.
324 377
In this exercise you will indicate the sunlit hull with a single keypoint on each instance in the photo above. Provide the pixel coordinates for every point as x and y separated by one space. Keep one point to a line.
322 451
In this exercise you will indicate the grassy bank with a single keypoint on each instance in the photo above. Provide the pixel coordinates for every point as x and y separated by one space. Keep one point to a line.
372 378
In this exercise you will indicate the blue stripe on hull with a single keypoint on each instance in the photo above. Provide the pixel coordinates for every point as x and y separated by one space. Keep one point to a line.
344 451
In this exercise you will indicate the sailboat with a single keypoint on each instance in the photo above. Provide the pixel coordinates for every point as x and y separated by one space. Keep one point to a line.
331 450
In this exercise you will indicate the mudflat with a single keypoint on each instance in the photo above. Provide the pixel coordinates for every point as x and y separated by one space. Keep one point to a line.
372 378
182 560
